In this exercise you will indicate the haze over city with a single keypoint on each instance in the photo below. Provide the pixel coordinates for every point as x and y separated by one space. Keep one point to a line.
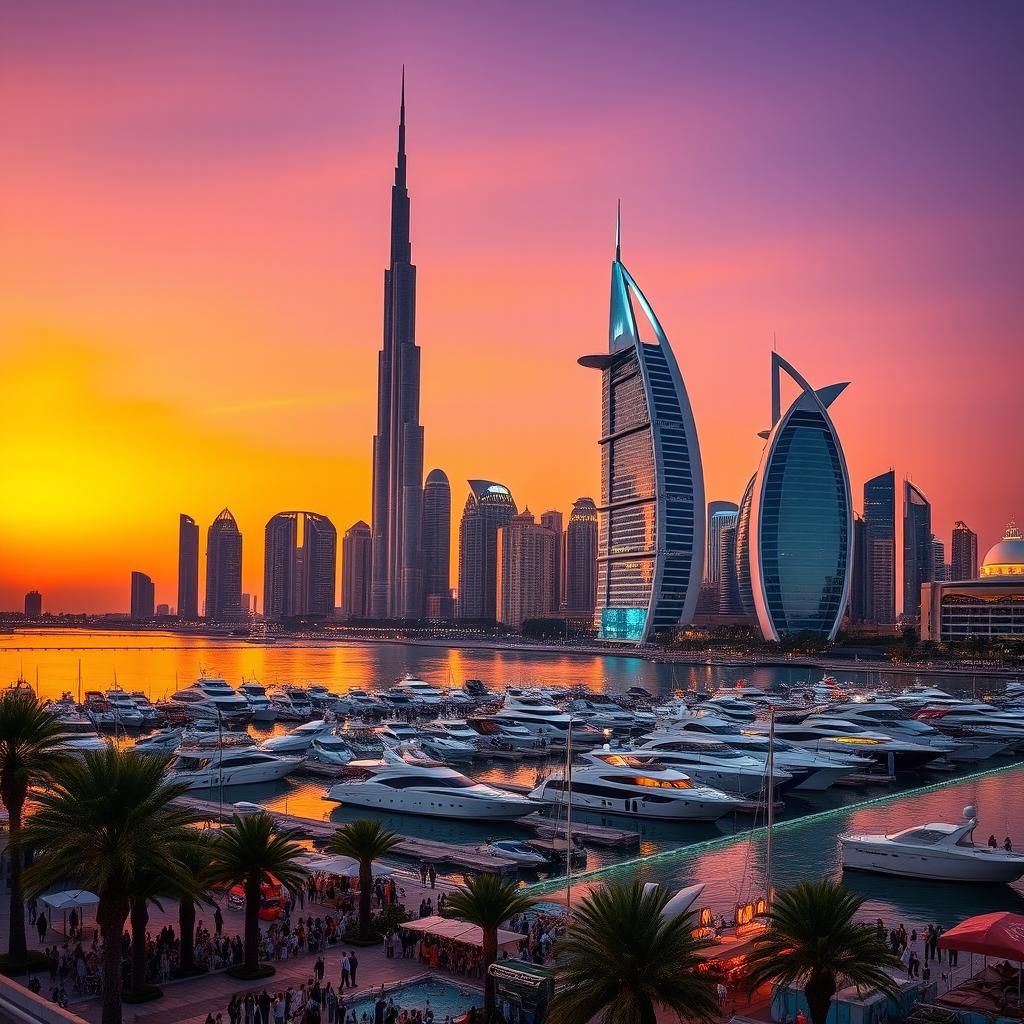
196 213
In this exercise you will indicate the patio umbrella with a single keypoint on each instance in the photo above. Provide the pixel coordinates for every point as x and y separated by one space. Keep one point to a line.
999 935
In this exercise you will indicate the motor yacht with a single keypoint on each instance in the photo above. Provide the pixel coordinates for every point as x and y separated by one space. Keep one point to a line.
291 703
833 736
711 762
731 707
321 698
440 739
544 720
601 714
396 731
229 766
521 853
635 786
395 784
979 720
330 749
419 692
150 712
263 711
362 740
213 698
937 850
99 710
504 736
299 739
79 735
163 741
126 711
358 701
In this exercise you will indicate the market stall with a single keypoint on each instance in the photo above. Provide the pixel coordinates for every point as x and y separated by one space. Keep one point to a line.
995 988
77 900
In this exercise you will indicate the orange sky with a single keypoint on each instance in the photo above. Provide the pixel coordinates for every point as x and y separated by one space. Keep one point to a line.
193 232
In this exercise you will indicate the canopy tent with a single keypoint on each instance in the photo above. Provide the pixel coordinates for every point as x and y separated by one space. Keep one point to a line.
70 898
460 931
999 935
343 867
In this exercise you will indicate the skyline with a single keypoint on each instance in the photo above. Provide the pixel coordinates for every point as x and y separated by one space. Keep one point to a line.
190 292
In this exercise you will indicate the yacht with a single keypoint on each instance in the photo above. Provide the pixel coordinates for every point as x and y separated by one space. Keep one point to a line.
321 698
733 708
358 701
163 741
977 719
449 739
812 772
503 736
640 787
150 712
937 850
521 853
394 784
126 711
420 692
395 731
601 714
362 740
329 749
213 698
255 693
99 710
299 739
711 762
79 734
543 719
291 703
833 736
229 766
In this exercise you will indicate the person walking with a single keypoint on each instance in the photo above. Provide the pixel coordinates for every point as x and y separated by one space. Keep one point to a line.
264 1005
41 926
218 922
318 969
346 971
432 874
353 963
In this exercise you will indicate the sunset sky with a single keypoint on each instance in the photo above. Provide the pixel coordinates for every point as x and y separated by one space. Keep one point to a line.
194 227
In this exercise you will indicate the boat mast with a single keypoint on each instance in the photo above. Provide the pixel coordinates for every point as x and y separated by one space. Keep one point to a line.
568 818
771 802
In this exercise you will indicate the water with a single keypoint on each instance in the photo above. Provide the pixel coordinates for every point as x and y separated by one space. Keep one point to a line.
724 855
444 998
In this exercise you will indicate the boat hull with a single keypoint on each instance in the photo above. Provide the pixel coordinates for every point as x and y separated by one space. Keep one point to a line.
428 805
939 867
638 807
243 776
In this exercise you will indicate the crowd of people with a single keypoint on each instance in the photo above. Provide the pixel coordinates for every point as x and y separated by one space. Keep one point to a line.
917 951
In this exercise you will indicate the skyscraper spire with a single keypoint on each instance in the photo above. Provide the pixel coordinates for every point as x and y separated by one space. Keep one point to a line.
618 231
400 164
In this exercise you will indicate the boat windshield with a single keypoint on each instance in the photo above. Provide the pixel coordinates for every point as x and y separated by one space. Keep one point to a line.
921 835
648 782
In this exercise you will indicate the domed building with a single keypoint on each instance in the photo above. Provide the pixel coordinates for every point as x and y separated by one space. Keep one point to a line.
1007 557
992 606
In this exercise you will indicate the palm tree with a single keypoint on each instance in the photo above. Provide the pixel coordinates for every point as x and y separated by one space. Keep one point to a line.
196 888
365 841
620 960
249 852
105 819
488 902
30 750
147 887
812 939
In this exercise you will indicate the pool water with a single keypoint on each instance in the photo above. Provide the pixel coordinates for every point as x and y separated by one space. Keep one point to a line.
444 998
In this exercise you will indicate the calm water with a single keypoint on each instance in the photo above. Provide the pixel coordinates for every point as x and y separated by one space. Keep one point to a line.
724 856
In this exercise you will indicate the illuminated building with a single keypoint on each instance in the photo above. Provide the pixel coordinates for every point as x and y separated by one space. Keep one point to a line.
801 517
990 606
581 558
188 568
721 514
33 605
142 596
524 569
437 537
300 554
651 537
552 521
880 542
963 553
917 547
397 588
224 569
859 583
355 572
744 592
940 570
489 507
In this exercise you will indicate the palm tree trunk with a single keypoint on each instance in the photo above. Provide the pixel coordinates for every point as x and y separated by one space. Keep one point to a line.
490 953
111 915
819 990
365 895
252 921
140 918
187 928
648 1015
16 946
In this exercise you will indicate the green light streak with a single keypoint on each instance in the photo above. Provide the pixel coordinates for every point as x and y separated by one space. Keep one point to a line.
682 853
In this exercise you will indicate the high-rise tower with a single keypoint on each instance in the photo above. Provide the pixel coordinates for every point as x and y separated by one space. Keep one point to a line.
355 572
651 556
880 544
300 565
581 558
437 535
489 507
917 547
224 569
188 567
964 554
397 586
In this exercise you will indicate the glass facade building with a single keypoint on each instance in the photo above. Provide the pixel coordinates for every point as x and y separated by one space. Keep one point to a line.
651 518
918 557
801 518
880 544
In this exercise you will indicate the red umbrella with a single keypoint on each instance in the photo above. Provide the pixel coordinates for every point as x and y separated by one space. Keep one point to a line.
1000 936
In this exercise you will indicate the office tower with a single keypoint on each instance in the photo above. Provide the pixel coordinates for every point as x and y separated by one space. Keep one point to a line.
437 535
489 507
744 590
552 521
397 587
917 547
964 552
801 517
224 569
581 558
651 537
142 597
33 605
720 515
300 557
939 570
355 571
163 610
188 568
728 579
524 570
880 540
859 584
248 605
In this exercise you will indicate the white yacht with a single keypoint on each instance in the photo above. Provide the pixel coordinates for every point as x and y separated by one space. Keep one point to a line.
299 739
521 853
126 711
977 719
419 692
601 714
362 740
150 712
358 701
99 710
710 762
321 698
79 734
396 731
229 766
330 749
937 850
255 693
291 703
213 698
503 736
394 784
163 741
543 719
449 739
640 787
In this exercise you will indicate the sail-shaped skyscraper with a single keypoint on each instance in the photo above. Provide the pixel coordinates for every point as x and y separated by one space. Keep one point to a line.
397 570
651 537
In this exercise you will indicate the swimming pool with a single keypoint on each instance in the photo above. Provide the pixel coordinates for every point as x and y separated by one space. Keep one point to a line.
444 997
